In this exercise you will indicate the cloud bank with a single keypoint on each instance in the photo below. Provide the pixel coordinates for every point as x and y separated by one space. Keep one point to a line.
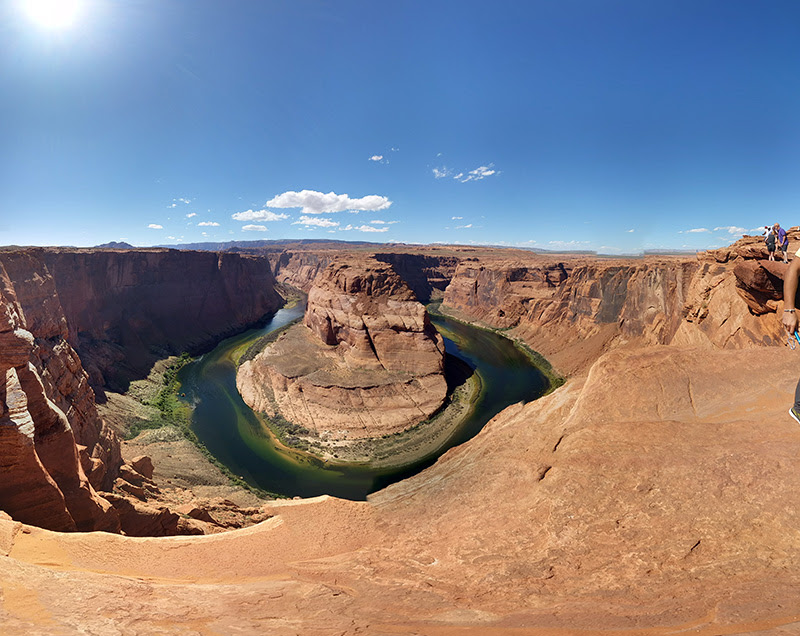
313 202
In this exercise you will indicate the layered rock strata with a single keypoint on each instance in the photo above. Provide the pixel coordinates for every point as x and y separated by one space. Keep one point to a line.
43 478
573 310
365 362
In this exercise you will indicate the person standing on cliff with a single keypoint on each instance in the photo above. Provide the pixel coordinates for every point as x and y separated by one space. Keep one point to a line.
790 319
783 242
770 240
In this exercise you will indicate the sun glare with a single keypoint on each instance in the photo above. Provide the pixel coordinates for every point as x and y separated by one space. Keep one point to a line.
52 14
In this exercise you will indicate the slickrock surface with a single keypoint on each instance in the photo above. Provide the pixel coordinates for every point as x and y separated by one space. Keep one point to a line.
673 510
365 363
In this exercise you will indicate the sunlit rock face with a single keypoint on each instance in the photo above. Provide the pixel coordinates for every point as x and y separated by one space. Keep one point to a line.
365 362
43 480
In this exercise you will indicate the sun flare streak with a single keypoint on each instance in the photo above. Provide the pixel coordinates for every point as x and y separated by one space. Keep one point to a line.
52 14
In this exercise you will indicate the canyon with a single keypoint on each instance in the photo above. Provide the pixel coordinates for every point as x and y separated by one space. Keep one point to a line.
655 492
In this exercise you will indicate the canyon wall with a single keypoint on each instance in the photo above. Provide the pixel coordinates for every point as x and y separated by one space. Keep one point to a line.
113 312
572 310
126 309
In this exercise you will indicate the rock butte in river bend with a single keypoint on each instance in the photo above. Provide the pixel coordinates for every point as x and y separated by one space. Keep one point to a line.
365 362
656 492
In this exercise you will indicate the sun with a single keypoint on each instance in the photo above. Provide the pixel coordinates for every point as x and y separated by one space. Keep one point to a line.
52 14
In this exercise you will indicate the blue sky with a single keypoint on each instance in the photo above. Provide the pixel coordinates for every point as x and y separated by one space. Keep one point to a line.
611 125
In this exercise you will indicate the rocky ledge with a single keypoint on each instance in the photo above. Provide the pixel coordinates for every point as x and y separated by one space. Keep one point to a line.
366 361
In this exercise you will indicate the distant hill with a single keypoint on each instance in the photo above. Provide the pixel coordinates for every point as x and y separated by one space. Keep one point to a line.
116 245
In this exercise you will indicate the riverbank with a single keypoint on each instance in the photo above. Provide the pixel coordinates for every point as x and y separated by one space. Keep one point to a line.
183 472
554 378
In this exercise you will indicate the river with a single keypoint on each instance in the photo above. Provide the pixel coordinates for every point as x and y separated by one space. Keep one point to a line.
234 435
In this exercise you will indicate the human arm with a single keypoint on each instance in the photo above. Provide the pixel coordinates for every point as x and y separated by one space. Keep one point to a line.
789 290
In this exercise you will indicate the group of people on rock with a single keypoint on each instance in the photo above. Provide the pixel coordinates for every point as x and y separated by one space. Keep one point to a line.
776 238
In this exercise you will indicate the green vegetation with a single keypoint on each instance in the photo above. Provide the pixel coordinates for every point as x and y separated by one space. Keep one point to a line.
177 414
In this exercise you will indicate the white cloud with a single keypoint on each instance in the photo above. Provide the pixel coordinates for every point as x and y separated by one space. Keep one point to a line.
456 218
171 238
376 158
190 215
696 230
313 202
479 173
464 227
259 215
208 224
731 229
441 173
254 228
380 222
315 221
155 226
204 233
629 231
173 205
182 200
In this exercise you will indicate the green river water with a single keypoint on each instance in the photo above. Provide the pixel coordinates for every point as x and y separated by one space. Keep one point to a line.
236 437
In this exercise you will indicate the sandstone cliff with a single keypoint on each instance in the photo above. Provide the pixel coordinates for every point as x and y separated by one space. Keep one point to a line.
572 310
120 310
365 363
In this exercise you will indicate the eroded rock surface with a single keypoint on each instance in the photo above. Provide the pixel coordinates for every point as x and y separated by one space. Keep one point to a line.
365 362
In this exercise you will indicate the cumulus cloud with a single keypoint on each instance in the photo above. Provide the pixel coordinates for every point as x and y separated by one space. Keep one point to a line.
313 202
464 227
629 230
379 159
731 229
380 222
208 224
456 218
155 226
315 221
258 215
695 230
190 215
254 228
441 173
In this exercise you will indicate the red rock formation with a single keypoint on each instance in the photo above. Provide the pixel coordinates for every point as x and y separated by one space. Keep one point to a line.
367 363
115 306
573 310
43 482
